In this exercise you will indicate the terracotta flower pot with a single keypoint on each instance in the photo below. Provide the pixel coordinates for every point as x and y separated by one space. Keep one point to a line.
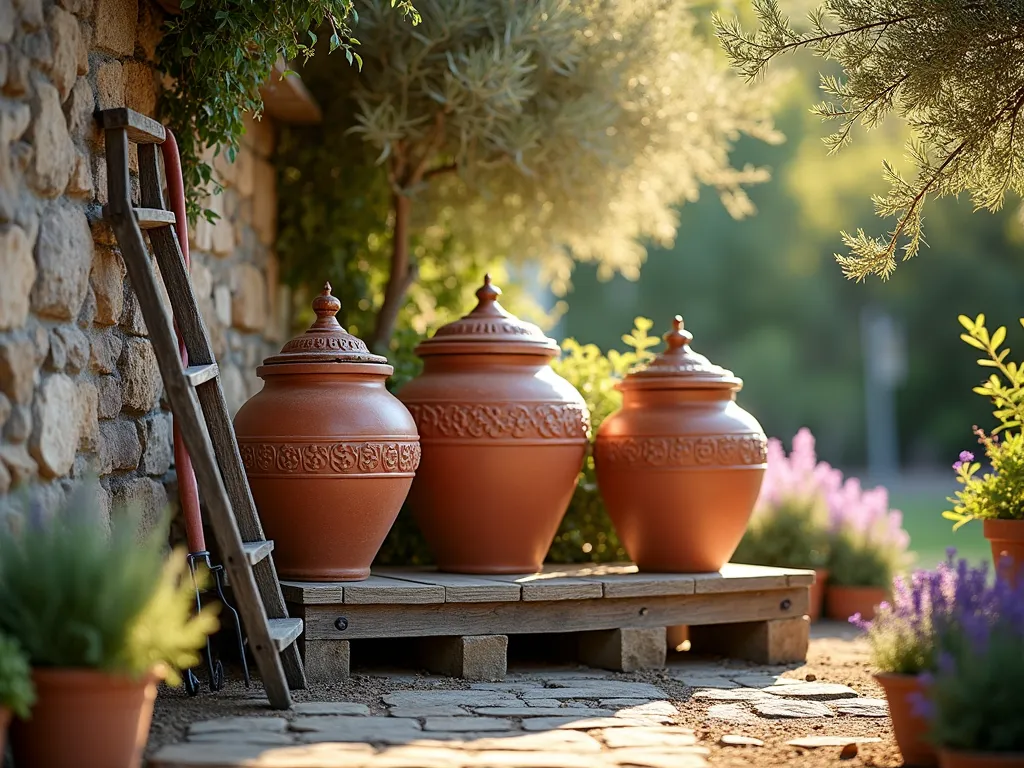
85 718
329 452
5 720
842 602
1007 540
817 594
909 729
504 438
680 464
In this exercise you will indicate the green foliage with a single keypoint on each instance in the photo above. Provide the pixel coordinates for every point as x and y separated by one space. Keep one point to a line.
17 693
998 494
951 70
791 534
976 708
586 533
858 559
219 53
74 596
544 130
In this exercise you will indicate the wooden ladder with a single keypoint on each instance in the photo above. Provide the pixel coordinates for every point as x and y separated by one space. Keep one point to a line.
197 400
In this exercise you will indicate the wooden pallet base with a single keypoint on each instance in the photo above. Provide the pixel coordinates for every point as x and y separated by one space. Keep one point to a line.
459 625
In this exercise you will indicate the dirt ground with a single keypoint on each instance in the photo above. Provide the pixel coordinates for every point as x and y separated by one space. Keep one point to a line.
837 655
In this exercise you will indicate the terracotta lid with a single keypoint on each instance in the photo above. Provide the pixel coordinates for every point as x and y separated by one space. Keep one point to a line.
678 366
325 341
489 329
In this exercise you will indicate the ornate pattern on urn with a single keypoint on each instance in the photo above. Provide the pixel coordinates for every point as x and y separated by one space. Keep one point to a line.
504 438
330 454
680 464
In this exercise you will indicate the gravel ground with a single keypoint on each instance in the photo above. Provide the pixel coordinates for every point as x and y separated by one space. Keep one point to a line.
837 655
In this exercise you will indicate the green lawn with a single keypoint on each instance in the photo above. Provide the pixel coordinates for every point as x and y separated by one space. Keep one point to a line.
930 533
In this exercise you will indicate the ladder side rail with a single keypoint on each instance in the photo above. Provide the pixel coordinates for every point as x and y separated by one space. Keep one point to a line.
187 411
214 406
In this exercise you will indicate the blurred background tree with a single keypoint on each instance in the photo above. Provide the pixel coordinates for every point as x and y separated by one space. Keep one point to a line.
545 131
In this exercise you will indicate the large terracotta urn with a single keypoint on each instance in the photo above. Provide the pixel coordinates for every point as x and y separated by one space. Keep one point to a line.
329 452
504 438
680 464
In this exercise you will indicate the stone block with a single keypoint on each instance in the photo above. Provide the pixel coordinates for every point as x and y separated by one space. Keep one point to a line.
119 446
79 109
264 202
56 423
18 370
139 87
19 424
88 415
105 352
63 257
140 376
327 662
57 358
5 410
108 285
67 41
84 45
481 657
7 17
80 184
110 85
19 70
248 298
31 13
77 345
54 152
259 136
157 446
20 465
624 650
109 404
779 641
143 494
19 274
115 22
149 30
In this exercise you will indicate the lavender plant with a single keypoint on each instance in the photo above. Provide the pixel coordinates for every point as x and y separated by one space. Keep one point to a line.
972 699
16 691
869 545
907 634
790 524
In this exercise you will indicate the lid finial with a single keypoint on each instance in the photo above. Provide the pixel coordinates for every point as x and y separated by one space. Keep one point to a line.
487 294
326 307
678 337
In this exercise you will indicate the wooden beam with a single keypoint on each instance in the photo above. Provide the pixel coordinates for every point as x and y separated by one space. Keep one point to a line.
287 100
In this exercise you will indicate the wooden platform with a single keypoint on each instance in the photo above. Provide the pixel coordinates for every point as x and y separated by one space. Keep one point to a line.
621 615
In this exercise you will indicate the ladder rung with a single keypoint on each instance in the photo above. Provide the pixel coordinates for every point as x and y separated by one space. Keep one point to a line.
284 632
141 129
257 550
151 218
197 374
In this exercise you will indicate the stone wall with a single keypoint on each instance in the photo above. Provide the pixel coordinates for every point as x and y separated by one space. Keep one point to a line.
80 392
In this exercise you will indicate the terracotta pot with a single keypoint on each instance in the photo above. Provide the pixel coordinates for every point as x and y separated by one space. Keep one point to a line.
951 759
909 729
5 720
1007 540
842 602
680 464
504 438
329 452
817 594
85 718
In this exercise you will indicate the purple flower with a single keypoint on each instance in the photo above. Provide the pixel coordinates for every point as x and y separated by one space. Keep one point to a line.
966 456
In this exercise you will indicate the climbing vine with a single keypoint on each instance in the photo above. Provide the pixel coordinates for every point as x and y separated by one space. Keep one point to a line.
218 53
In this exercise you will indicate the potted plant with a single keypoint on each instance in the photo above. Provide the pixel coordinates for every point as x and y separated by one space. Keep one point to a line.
868 548
906 638
790 525
101 617
971 700
996 497
16 692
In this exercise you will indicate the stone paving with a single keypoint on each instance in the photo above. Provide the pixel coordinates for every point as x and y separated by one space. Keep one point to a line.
561 719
